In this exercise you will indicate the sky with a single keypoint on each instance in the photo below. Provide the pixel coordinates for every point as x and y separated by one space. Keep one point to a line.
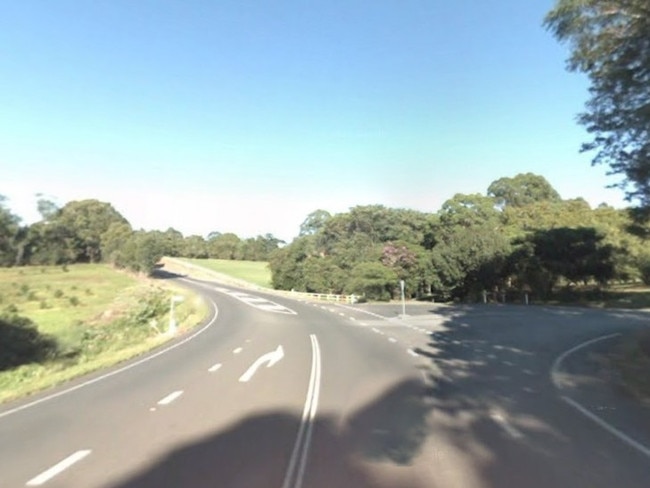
244 117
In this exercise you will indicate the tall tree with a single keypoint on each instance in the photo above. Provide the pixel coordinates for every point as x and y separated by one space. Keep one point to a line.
9 228
521 190
610 42
314 222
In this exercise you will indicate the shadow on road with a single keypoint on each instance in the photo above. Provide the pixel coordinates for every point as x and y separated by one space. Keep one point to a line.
256 451
490 418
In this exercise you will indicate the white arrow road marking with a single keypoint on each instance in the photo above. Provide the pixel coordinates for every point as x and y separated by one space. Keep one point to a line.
170 398
58 468
270 358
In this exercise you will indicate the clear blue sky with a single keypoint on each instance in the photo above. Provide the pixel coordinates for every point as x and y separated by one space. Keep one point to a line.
225 115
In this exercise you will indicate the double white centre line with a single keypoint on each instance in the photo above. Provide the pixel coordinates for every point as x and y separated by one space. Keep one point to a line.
298 461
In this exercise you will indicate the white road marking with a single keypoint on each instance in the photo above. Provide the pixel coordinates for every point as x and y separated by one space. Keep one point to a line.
375 329
555 372
341 314
426 379
555 369
58 468
298 462
270 358
215 368
237 351
256 301
117 371
500 419
392 339
170 398
412 352
353 319
609 428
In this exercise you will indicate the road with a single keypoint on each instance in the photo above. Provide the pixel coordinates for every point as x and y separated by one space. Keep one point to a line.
276 392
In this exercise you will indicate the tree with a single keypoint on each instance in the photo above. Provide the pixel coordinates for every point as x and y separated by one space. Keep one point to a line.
223 246
468 210
372 280
610 42
86 221
9 229
314 222
523 189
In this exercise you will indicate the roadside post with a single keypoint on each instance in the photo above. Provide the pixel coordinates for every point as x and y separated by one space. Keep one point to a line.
401 285
172 318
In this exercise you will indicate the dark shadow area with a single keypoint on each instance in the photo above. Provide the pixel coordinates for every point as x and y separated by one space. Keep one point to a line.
162 274
256 452
22 343
493 399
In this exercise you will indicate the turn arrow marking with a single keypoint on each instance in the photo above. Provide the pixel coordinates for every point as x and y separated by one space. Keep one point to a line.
270 358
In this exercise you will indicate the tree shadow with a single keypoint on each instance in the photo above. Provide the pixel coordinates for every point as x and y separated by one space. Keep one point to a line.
493 398
256 451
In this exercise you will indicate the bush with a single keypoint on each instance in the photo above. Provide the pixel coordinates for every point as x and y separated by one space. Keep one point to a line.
74 301
22 343
58 293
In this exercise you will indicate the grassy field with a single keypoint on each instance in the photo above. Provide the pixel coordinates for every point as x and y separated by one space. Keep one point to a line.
99 316
255 272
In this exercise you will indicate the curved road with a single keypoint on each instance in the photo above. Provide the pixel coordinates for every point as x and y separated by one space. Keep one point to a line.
275 392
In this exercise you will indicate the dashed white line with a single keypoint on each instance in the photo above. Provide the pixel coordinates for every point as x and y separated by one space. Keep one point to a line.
214 368
412 352
392 339
170 398
237 351
58 468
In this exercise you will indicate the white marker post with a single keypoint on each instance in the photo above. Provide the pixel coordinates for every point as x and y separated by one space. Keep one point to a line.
172 318
401 285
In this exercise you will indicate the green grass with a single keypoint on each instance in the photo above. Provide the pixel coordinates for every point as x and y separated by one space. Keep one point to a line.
256 272
95 313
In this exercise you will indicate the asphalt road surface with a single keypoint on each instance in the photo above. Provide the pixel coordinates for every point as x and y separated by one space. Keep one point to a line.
281 393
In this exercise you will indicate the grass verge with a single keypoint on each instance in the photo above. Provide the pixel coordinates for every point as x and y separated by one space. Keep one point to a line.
98 317
256 272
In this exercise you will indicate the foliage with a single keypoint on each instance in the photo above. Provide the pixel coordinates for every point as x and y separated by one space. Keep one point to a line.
522 190
610 42
22 343
372 280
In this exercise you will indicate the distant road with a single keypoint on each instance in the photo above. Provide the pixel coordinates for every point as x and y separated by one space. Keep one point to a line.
275 392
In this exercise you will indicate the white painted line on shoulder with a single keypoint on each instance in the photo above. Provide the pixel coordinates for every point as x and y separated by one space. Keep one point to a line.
609 428
412 352
237 351
58 468
215 368
170 398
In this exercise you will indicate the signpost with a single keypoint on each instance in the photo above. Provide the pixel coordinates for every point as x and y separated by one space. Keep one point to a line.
172 318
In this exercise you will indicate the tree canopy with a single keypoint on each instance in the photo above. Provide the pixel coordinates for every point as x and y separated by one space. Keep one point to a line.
610 43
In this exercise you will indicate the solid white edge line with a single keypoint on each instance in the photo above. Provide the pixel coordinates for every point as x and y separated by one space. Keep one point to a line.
58 468
214 368
555 370
117 371
556 364
609 428
170 398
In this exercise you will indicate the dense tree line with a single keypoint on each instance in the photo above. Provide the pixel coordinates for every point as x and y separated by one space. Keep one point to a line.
90 231
519 237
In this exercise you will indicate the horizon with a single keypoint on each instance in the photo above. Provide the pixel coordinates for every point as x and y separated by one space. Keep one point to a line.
246 118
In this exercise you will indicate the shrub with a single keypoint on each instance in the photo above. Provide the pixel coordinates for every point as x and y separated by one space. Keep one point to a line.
22 343
74 301
58 293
